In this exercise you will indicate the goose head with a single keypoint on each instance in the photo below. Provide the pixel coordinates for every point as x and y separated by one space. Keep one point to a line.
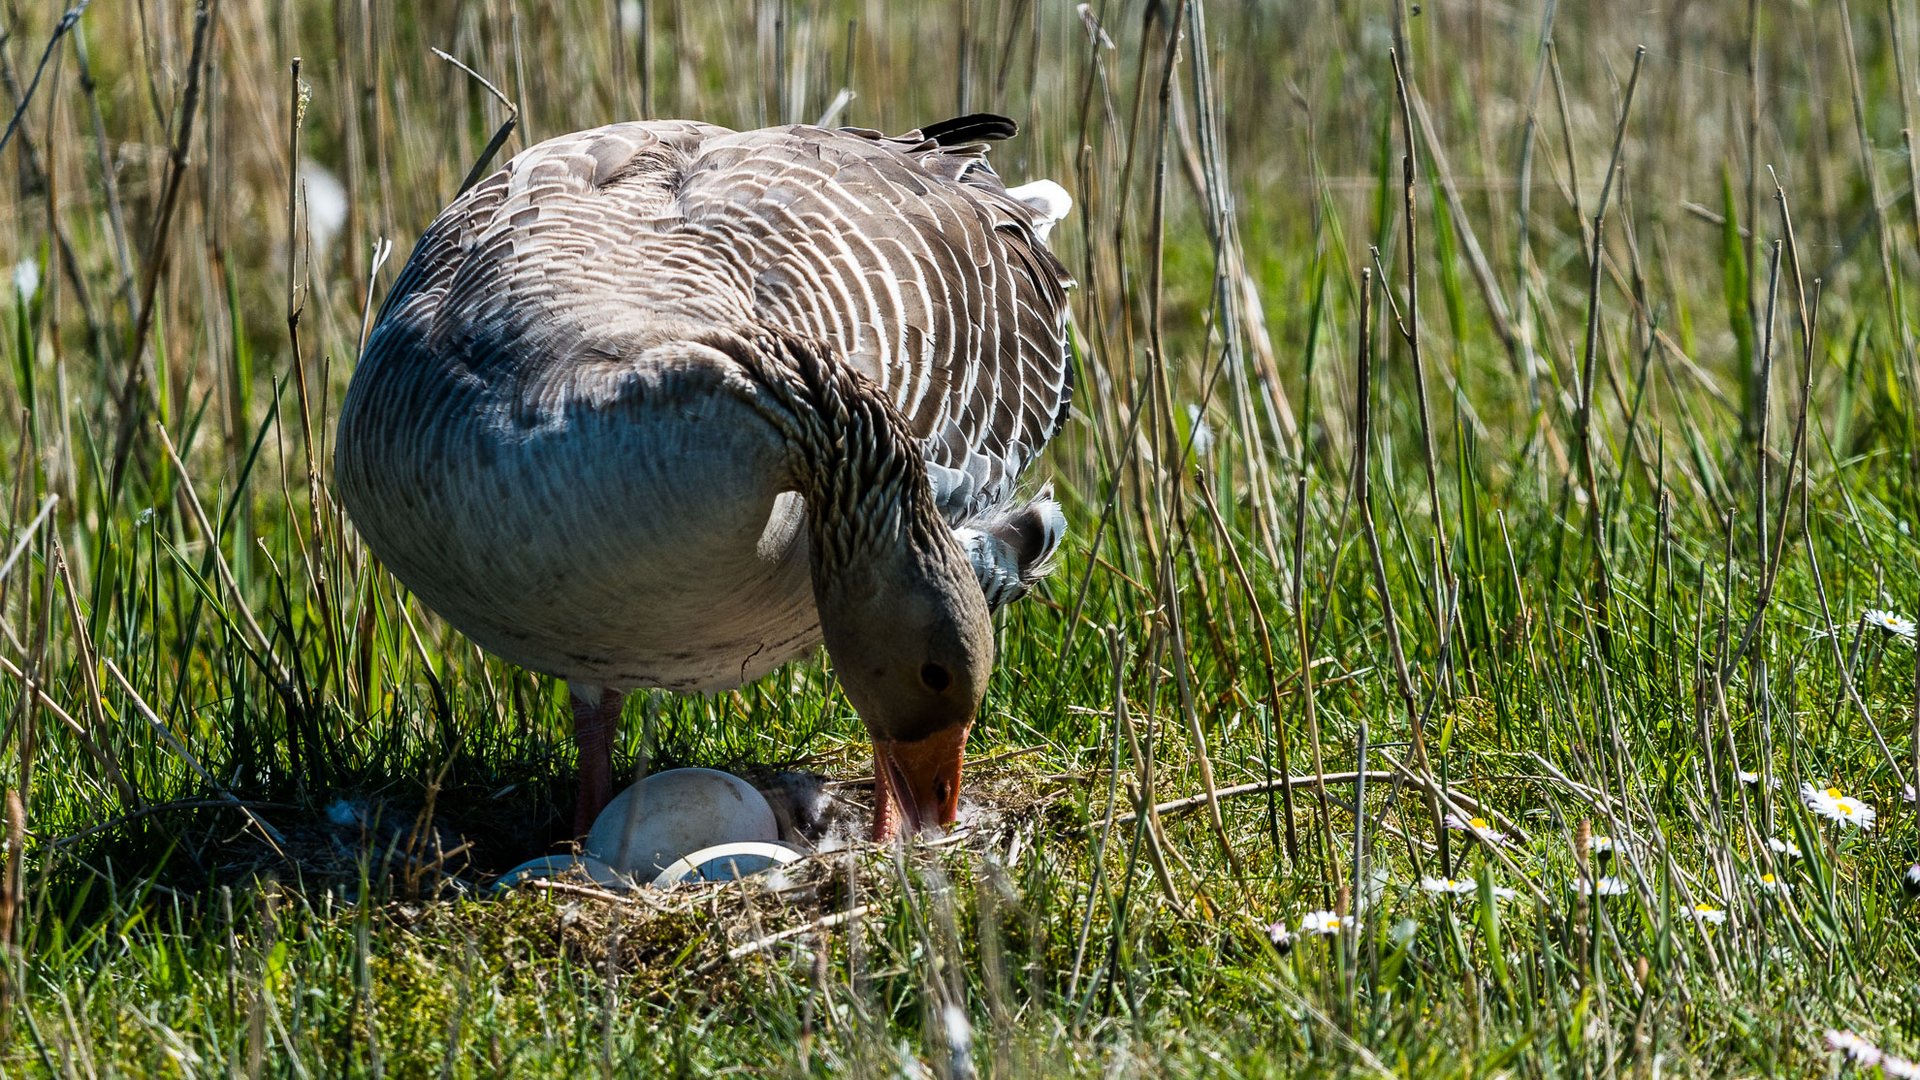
912 643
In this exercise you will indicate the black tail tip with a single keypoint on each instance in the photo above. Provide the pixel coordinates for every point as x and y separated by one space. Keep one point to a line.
975 127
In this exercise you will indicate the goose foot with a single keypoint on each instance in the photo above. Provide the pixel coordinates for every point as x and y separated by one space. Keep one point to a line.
596 717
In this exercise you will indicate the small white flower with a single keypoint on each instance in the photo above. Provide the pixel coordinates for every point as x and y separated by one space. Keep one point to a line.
1480 827
1450 886
1606 886
1830 803
1456 887
1898 1068
1858 1049
26 279
1751 778
1600 844
1325 923
1913 874
1783 847
1867 1055
1707 913
1892 622
1769 883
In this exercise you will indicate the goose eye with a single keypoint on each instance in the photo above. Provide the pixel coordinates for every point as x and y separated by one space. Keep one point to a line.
935 678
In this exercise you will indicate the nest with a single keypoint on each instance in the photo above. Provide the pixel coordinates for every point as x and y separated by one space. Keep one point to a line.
429 866
700 927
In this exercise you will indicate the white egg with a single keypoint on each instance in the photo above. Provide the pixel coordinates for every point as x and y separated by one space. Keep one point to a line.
674 813
727 862
555 866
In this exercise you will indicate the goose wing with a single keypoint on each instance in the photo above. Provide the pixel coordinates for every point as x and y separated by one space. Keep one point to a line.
564 234
905 253
910 255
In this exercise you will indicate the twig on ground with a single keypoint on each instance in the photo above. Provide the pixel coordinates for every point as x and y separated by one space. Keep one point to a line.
824 922
1194 802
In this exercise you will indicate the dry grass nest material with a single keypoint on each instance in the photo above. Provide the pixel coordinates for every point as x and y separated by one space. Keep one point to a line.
432 873
701 927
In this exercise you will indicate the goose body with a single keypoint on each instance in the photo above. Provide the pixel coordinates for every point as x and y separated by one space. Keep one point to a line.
664 404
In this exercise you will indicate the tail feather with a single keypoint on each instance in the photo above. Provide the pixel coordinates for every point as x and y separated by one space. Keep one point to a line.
1012 549
1049 202
972 128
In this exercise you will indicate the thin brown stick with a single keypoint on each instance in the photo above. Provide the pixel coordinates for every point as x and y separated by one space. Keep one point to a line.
27 534
66 23
131 410
279 671
1443 576
1257 787
1583 425
479 170
825 922
272 835
1266 656
1363 499
39 693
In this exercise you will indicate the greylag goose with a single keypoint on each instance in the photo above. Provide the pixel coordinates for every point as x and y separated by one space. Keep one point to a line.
667 405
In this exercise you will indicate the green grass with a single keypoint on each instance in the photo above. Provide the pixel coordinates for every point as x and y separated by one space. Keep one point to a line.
1616 540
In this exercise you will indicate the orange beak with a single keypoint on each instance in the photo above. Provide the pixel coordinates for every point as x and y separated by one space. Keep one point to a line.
923 776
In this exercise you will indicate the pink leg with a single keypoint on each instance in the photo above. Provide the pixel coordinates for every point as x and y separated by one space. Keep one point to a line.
594 725
886 816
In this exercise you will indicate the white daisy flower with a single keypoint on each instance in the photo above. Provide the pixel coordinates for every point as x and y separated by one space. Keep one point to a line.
1751 778
1867 1055
1856 1048
1783 847
1325 923
1450 886
1898 1068
1280 936
1601 844
1769 883
1830 803
1913 875
1606 886
1480 827
1892 622
1456 887
1707 913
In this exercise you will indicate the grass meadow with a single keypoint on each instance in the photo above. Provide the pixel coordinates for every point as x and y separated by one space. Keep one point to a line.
1495 465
